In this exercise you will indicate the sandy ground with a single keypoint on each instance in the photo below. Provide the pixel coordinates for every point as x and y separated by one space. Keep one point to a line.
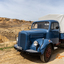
11 56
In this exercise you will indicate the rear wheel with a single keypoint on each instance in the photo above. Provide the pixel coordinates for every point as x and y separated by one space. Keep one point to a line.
47 54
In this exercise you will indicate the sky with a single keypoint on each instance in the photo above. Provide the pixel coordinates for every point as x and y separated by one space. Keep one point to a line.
30 10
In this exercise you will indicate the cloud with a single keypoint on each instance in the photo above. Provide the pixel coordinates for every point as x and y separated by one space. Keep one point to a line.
30 9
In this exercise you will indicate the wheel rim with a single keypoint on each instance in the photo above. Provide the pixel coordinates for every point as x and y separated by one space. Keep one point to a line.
48 53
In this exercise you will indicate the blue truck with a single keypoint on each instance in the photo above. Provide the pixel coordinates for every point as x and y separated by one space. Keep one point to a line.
41 39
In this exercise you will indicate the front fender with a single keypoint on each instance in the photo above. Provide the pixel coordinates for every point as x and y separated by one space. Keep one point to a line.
42 45
46 42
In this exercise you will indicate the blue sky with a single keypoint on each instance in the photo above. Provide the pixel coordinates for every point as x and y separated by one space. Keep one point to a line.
30 9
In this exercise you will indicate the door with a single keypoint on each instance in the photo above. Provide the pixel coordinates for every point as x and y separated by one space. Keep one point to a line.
54 32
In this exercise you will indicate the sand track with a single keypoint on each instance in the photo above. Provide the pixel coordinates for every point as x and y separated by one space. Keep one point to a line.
11 56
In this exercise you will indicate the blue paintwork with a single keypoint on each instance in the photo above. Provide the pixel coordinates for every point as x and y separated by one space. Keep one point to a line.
31 35
27 38
42 45
61 36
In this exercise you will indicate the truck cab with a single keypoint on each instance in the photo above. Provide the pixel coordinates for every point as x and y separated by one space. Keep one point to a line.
42 38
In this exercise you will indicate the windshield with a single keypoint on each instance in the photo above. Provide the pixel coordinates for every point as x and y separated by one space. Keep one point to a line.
41 25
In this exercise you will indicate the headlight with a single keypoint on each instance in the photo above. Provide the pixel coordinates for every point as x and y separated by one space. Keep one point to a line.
17 39
35 43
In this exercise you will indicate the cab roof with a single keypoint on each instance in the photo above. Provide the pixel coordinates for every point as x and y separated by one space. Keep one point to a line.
46 21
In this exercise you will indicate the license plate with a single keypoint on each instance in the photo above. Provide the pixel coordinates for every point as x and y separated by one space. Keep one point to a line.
19 47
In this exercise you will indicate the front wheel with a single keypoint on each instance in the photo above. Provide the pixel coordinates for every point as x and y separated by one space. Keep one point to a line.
47 54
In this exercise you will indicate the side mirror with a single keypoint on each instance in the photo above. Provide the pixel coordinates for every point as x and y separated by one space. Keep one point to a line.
57 27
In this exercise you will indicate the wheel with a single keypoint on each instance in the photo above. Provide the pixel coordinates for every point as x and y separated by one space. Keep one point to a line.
47 54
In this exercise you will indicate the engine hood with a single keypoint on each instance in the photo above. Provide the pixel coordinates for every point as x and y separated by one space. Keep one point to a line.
36 32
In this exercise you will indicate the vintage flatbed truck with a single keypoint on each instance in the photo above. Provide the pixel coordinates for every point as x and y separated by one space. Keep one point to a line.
44 35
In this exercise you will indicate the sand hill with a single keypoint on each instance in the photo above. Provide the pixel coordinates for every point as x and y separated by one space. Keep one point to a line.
9 28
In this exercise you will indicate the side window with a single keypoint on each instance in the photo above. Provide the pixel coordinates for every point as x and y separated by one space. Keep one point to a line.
54 26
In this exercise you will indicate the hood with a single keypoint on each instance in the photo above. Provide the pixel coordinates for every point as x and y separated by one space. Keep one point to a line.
36 32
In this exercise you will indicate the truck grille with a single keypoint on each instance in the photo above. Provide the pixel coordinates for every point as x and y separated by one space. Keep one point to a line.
22 40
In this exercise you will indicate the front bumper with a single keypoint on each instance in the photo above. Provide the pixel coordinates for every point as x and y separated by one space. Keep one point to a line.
28 51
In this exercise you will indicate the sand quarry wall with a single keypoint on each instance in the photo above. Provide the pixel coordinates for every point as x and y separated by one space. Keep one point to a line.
9 29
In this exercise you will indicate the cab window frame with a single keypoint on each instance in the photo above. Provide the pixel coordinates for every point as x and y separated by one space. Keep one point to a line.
53 26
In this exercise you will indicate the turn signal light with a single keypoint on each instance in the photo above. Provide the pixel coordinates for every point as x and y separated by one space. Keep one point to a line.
49 40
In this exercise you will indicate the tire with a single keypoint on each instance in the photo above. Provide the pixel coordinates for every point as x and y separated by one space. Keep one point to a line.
47 54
